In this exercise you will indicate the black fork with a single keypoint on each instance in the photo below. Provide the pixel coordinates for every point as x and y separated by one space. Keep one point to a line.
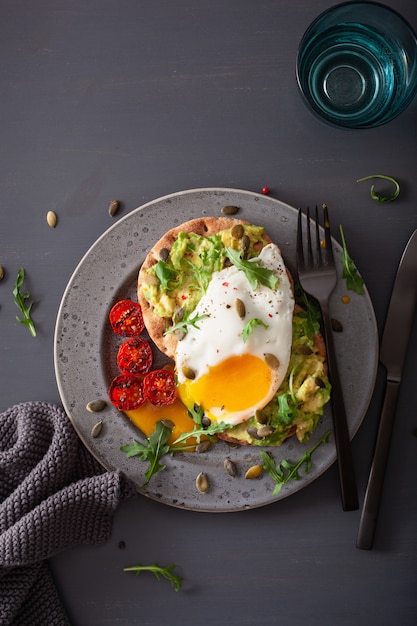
317 275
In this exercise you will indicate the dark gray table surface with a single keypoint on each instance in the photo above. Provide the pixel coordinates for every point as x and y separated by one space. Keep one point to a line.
137 99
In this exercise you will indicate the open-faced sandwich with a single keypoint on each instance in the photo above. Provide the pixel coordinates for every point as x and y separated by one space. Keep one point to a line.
217 299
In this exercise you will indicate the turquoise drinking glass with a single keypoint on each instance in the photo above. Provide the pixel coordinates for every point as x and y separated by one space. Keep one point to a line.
357 65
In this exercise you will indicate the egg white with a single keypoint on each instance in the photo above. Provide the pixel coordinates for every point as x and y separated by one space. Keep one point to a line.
219 334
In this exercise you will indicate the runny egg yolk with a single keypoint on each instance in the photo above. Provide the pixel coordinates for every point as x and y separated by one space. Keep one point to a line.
238 385
147 416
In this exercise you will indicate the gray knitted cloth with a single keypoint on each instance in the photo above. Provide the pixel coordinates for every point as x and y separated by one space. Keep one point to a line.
53 495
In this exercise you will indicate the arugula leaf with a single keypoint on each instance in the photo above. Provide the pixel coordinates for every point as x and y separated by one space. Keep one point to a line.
19 299
166 572
184 322
253 271
286 471
250 326
209 431
354 281
167 276
378 197
155 448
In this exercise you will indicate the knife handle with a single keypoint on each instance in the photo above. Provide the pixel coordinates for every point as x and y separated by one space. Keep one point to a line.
373 492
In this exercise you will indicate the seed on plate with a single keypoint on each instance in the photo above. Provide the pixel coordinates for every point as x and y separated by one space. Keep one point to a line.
337 326
254 472
237 231
253 432
265 431
51 219
166 422
230 210
240 308
188 372
202 482
203 446
96 430
261 417
164 254
304 350
96 405
230 467
114 207
1 272
271 361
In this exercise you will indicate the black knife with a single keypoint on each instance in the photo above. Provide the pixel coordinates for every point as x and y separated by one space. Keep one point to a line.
398 326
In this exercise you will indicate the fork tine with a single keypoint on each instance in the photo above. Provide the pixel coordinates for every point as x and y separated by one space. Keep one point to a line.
300 248
318 242
309 246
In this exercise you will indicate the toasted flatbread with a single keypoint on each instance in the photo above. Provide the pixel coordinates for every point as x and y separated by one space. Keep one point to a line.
204 226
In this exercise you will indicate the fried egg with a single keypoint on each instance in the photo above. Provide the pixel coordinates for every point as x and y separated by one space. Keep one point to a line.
229 373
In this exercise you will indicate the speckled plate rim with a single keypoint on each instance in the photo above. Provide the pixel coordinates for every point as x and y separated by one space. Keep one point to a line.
85 351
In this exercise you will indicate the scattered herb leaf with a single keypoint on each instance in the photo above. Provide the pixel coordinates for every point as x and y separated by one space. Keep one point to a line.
166 572
156 447
250 326
378 197
186 321
19 298
209 431
167 276
354 281
253 271
286 471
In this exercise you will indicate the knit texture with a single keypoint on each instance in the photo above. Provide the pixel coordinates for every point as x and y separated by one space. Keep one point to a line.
53 495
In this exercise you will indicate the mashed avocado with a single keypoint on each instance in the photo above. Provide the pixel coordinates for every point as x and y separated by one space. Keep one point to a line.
298 404
181 280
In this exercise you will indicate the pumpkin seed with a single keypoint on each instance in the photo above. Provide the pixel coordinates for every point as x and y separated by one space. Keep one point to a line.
51 219
1 272
229 209
319 382
261 417
202 482
237 231
205 421
337 326
188 372
203 446
164 254
265 431
245 241
271 361
166 422
96 430
240 308
253 432
96 405
304 350
254 472
230 467
114 207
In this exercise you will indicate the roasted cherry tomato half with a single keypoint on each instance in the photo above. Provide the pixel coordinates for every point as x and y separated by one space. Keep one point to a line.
135 356
159 387
126 392
126 318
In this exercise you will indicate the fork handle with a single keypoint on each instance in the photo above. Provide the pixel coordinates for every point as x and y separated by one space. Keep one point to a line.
341 432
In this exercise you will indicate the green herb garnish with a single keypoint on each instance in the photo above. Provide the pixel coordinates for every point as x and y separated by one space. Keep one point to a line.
253 271
166 572
19 299
167 276
286 471
155 448
250 326
186 321
354 281
378 197
209 431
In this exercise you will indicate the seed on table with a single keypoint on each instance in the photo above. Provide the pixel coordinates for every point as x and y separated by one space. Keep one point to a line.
114 207
1 272
51 218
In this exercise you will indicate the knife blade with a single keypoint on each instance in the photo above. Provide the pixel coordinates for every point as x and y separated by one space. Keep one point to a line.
394 343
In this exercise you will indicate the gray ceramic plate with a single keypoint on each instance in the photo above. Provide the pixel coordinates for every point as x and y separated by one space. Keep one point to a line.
85 354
